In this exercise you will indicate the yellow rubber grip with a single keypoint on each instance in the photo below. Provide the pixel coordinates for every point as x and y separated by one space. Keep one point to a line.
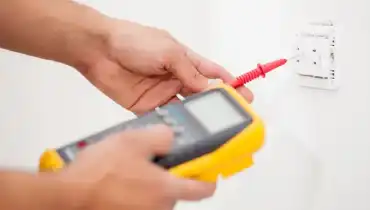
232 157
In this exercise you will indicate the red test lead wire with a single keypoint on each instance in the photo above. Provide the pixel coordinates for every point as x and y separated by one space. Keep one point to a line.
260 71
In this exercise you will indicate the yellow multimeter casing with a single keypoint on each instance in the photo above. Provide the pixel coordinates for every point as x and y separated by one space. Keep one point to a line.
233 156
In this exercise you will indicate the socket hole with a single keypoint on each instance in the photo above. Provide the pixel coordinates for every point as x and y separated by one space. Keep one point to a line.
297 61
314 63
314 50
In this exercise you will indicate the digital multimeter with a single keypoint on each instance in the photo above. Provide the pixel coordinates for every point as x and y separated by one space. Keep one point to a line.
216 134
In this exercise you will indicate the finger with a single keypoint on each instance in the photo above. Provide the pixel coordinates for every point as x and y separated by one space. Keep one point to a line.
191 190
175 99
110 82
185 92
171 206
155 140
184 70
156 96
215 71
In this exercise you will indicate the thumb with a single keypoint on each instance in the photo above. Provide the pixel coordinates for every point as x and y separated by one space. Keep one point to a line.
155 140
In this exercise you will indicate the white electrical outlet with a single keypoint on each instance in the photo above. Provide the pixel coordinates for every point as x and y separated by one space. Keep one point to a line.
316 64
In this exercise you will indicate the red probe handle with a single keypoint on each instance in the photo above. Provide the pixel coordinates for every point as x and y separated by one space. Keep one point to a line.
260 71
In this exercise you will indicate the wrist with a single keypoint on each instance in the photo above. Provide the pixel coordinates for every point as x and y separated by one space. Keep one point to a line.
41 191
87 42
62 31
70 195
64 194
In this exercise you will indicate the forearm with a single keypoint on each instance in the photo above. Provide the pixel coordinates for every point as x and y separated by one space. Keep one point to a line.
59 30
21 191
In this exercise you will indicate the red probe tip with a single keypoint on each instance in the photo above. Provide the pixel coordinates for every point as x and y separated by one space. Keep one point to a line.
260 71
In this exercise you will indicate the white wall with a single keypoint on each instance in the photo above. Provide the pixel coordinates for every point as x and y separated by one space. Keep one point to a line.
334 126
316 154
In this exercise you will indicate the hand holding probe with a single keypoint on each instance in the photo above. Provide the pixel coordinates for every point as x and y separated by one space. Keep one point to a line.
216 132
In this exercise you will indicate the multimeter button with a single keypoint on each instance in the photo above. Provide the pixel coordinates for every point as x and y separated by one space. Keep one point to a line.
162 112
178 129
81 144
169 121
180 141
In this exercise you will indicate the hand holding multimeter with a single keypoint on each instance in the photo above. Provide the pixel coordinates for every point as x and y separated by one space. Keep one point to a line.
123 158
215 133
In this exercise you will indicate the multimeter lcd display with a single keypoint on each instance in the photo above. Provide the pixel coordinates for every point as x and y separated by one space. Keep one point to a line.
215 112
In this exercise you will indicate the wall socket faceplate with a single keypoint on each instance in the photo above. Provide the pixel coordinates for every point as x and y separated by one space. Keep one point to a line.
316 64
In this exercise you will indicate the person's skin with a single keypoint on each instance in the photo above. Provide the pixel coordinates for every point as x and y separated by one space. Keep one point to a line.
137 66
122 180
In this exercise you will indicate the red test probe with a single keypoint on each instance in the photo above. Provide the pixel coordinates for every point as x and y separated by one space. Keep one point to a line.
260 71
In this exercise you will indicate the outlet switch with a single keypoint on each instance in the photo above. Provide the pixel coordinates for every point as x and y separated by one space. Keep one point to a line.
316 64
